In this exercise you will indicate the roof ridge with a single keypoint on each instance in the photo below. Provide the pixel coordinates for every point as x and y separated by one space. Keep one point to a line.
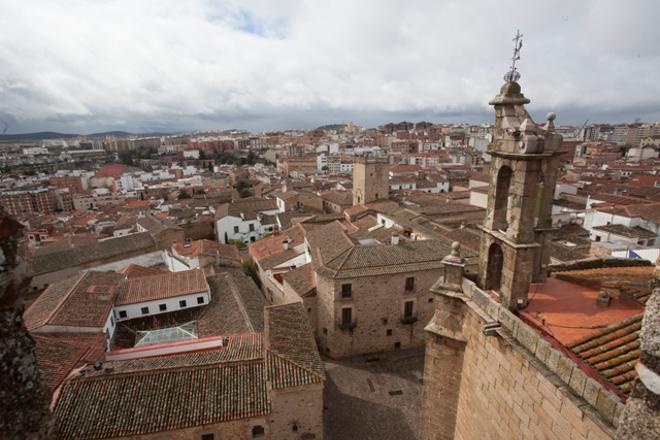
146 372
239 302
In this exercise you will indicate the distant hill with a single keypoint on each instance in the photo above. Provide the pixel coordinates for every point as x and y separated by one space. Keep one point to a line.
47 135
35 136
332 127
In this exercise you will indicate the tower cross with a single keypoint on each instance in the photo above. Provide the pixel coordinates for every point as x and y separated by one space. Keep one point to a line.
513 74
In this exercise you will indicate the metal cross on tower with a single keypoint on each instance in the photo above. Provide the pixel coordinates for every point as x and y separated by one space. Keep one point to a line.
512 74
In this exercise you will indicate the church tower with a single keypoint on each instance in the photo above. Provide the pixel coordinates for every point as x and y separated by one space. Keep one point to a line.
515 243
370 179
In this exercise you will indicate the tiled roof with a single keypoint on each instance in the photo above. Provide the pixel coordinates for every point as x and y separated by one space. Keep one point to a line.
83 301
290 336
301 279
137 271
626 231
59 353
613 352
236 306
341 198
130 404
208 248
239 347
386 259
630 281
101 250
250 208
162 286
164 393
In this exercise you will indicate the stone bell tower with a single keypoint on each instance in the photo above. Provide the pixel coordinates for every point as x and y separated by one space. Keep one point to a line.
517 231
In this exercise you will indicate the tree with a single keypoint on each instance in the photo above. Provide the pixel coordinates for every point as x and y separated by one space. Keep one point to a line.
183 194
250 269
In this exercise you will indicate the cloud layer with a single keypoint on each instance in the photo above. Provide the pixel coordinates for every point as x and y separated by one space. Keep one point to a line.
173 65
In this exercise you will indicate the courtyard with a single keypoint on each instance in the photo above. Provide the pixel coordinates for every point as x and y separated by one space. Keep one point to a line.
375 397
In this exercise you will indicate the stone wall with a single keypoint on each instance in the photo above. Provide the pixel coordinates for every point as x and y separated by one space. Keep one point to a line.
509 381
378 305
297 413
238 429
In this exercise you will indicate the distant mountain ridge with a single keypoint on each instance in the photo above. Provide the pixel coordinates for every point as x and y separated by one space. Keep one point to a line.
49 135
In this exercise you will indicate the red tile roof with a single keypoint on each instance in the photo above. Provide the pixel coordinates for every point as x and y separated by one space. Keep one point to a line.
162 286
613 351
82 301
137 271
569 311
112 170
59 353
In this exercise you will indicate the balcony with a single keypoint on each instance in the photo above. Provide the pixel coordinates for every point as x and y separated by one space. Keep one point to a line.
350 325
408 319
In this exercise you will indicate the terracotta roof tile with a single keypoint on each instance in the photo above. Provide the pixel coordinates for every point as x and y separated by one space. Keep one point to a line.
613 352
83 301
162 286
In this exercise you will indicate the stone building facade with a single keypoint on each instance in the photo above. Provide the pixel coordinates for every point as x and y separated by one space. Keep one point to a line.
370 179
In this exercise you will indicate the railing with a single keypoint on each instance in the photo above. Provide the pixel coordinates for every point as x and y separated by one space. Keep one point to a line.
347 325
408 319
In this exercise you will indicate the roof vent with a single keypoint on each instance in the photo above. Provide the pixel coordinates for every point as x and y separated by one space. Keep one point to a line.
604 299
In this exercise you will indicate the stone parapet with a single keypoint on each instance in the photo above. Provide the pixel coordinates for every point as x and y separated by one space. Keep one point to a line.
601 405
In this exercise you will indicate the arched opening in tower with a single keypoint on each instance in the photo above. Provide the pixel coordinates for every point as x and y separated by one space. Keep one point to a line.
495 264
500 215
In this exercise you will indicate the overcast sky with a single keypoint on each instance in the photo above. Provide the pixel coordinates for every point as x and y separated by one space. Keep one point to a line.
85 66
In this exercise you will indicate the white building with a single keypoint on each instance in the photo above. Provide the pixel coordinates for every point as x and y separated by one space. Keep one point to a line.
245 220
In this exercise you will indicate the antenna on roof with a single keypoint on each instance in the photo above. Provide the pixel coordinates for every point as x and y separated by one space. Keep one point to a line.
513 74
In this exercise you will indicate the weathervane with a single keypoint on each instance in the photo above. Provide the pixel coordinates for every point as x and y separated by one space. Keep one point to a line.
512 74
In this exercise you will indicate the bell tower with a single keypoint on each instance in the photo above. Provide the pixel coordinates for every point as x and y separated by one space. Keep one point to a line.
517 231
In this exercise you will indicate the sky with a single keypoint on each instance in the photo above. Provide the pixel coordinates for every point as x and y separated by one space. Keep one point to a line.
178 65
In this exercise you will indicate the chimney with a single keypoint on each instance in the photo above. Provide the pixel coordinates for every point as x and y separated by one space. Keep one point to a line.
285 244
395 238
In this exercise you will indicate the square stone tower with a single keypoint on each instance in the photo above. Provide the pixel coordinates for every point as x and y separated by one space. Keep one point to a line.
515 243
370 179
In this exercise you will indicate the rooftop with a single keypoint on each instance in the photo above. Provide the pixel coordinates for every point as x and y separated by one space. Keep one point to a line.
167 285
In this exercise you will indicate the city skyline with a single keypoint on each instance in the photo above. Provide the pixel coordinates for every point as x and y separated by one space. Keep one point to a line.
159 66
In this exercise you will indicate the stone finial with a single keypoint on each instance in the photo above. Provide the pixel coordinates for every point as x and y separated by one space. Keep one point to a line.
550 124
455 255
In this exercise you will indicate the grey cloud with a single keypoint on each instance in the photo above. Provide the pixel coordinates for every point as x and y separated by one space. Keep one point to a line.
170 65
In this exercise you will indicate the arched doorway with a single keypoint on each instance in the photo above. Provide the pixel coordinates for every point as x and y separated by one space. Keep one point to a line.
500 217
494 269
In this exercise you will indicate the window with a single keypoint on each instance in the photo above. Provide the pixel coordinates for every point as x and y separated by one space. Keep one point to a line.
144 310
235 229
209 436
200 300
397 345
325 331
183 303
346 290
430 300
346 315
162 307
389 332
410 284
258 431
597 237
122 313
112 320
251 227
408 309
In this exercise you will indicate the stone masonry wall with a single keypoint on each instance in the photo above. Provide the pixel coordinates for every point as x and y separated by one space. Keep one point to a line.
511 382
378 305
302 407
